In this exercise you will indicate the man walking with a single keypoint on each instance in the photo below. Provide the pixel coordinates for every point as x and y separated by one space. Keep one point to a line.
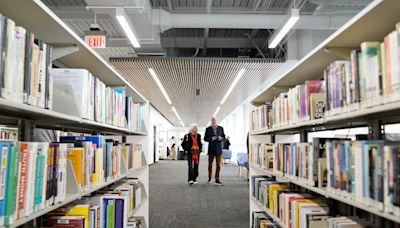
214 136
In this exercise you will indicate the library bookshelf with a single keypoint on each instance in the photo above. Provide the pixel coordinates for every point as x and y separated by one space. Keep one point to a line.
380 14
70 51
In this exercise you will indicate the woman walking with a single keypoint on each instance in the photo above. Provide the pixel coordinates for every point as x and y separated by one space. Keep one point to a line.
192 146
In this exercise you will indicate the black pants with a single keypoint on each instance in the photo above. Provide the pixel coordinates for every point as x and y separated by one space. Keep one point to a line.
193 171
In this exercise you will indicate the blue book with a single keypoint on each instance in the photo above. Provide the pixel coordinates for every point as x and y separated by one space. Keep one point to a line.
105 206
119 213
5 147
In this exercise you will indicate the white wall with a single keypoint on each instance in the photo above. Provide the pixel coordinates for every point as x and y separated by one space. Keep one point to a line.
156 119
236 126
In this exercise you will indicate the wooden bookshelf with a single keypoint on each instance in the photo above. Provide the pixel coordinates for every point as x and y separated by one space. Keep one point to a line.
323 192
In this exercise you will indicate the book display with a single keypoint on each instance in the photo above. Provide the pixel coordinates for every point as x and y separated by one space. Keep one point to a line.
350 80
85 179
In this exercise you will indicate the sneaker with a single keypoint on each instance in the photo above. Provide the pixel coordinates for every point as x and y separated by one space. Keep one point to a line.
195 182
209 180
219 183
191 182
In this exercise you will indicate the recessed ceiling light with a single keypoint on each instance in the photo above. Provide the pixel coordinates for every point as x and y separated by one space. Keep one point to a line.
216 111
234 83
176 113
160 86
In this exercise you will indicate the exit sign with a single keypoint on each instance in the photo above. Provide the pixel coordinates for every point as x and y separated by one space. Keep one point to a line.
96 41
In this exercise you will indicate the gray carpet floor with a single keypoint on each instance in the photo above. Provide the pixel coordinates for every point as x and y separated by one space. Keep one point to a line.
174 204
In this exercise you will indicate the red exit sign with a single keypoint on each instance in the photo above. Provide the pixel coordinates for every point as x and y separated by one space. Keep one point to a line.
96 41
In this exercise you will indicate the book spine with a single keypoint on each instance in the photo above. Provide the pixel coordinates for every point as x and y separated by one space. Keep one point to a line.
119 213
40 162
49 78
55 172
22 198
12 174
3 180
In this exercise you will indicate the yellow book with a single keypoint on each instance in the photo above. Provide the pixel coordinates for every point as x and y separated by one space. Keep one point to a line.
272 200
76 156
297 208
75 210
97 172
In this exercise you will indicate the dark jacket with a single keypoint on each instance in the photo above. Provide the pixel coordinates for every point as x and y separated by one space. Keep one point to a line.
227 143
214 147
187 143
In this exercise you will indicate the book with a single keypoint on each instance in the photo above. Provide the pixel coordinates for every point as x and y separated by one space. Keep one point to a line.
66 221
372 71
5 148
74 210
11 190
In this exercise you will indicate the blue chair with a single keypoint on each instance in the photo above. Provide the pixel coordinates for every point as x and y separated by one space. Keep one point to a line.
242 160
226 155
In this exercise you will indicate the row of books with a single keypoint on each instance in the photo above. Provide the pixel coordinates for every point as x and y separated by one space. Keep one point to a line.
8 135
93 100
97 160
260 219
364 171
111 208
295 209
301 103
370 77
34 175
25 66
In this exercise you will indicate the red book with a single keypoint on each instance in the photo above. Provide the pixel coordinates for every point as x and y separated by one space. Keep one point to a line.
66 221
24 162
313 86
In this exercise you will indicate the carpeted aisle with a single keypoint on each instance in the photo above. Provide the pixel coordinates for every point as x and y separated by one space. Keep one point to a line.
174 204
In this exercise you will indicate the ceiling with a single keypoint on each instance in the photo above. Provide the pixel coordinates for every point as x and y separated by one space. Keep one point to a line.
200 44
181 78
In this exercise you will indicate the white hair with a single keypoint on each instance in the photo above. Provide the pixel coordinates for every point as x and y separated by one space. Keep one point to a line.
192 127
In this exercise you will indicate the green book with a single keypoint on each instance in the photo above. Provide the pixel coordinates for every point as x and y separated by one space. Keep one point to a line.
11 191
39 177
111 214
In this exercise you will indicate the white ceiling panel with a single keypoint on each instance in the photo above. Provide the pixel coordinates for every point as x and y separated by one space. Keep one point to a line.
181 78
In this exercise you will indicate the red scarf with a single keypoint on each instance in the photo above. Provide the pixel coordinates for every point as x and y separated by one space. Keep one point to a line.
195 149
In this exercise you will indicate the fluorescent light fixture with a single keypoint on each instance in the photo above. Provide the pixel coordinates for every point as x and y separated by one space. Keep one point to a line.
158 82
235 81
123 20
182 123
280 33
176 113
216 111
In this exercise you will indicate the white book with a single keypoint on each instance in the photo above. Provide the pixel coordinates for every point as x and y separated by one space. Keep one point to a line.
9 67
79 80
18 87
356 146
311 209
31 179
62 173
42 75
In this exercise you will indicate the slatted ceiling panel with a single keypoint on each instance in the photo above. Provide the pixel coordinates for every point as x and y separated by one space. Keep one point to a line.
63 3
114 52
181 78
